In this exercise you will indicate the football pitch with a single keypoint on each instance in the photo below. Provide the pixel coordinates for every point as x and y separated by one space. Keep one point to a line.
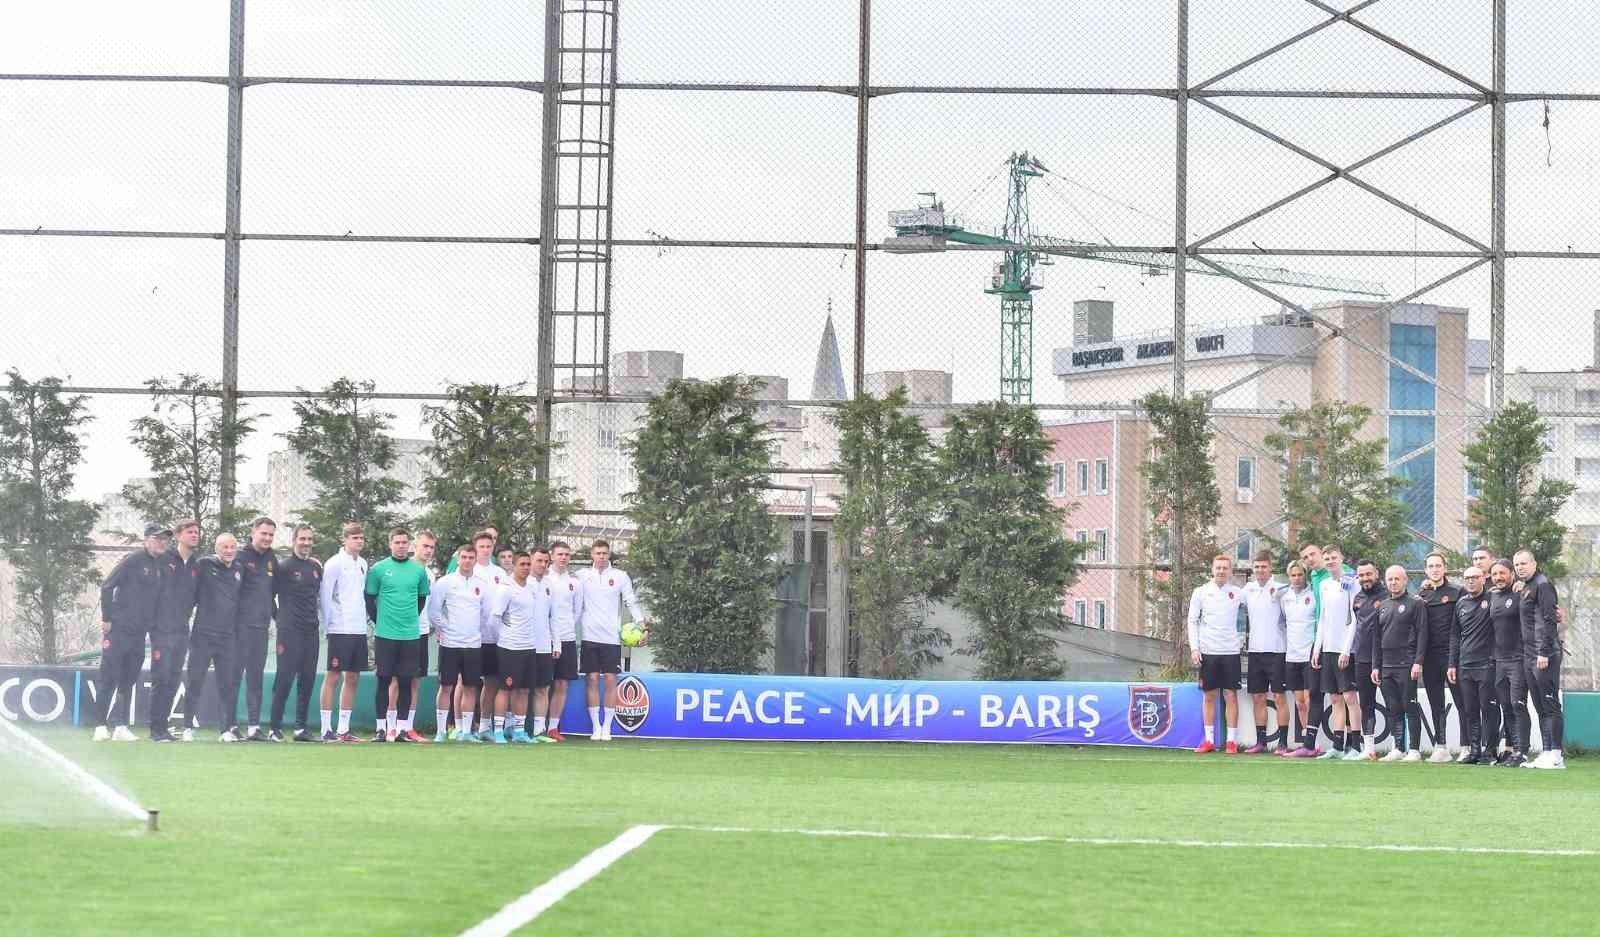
803 839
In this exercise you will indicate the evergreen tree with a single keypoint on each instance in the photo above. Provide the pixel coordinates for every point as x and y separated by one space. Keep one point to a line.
704 553
183 438
347 447
887 516
44 532
1337 488
1001 549
485 445
1515 508
1182 498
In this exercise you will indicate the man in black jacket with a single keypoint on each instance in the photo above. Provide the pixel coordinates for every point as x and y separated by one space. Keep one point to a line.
169 639
128 600
1505 618
216 626
1364 608
296 586
1542 653
1439 597
1398 646
258 566
1471 665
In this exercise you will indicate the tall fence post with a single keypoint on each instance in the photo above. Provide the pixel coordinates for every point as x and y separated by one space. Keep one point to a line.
229 482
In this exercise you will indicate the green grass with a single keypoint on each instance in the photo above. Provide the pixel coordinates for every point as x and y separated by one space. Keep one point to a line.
311 839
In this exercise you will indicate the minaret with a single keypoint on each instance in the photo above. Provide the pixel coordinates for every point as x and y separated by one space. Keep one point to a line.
827 380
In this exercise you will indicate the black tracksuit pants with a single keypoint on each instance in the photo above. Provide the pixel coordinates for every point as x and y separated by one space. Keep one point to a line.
1368 692
1476 683
121 659
167 653
206 651
1400 699
250 665
297 664
1510 686
1434 673
1546 688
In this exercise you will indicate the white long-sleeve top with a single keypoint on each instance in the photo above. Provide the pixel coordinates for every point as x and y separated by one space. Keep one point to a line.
343 597
1335 629
602 616
458 608
1214 618
1265 614
566 604
524 614
490 578
1300 623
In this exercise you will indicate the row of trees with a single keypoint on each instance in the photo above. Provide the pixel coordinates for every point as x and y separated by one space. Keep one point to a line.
1337 487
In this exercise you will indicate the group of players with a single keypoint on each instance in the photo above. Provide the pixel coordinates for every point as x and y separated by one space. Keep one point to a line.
506 623
1489 642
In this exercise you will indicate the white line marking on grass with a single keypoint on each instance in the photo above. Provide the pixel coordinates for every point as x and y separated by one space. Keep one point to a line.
536 902
1141 841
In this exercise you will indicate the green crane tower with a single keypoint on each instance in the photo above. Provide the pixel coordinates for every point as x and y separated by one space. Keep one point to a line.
926 228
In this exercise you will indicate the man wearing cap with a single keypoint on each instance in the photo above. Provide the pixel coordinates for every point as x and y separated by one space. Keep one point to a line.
128 601
169 639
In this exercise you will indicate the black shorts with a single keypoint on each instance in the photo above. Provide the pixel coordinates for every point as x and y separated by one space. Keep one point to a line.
460 665
1298 675
422 656
607 658
396 657
1266 672
347 653
544 670
567 665
490 656
1336 679
516 669
1217 671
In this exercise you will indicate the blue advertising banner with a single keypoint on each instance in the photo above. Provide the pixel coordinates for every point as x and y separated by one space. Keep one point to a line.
830 709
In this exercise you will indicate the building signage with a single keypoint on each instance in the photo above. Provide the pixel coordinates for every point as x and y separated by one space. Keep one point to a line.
1083 359
1144 351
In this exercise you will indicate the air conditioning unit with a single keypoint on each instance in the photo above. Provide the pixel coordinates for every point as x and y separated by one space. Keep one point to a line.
1244 495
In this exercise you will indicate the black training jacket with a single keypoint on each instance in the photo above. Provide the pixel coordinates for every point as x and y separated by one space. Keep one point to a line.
1399 638
179 582
296 587
129 595
1472 641
216 609
1505 616
1539 617
1440 608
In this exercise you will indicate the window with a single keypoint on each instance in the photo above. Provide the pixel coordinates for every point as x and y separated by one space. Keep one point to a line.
1587 433
1417 346
1586 399
1080 536
1549 467
1083 477
1100 614
605 485
1102 476
1474 489
1080 611
1547 398
1058 480
1161 546
608 439
1587 500
1244 547
1586 470
1101 543
1246 473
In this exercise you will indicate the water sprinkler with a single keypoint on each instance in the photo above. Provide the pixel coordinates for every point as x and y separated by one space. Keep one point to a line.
152 821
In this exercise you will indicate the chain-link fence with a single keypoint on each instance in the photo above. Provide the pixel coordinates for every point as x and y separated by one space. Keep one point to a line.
1062 204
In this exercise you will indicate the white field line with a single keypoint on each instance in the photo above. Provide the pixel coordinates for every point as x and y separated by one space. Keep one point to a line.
75 773
536 902
1141 841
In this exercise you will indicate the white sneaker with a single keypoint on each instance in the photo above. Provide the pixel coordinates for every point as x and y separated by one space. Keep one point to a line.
1537 762
1394 755
1352 755
187 735
1412 756
1440 756
1463 756
123 734
1554 762
102 734
227 736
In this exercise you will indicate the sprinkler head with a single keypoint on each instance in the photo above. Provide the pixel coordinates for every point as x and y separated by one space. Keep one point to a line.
152 822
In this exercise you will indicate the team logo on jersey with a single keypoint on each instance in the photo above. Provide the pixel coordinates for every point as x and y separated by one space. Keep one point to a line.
475 591
105 644
1308 600
280 649
1485 604
633 703
509 681
612 582
333 663
155 654
1402 607
569 587
1508 603
149 571
1149 711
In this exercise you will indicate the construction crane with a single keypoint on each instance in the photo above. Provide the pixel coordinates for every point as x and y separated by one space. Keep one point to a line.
926 228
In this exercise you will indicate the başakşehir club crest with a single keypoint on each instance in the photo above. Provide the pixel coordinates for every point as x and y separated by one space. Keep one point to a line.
633 703
1149 711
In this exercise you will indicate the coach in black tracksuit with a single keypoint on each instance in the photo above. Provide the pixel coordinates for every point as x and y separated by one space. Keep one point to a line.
1510 674
1439 599
216 626
1471 668
296 586
1540 642
257 567
169 639
128 599
1398 646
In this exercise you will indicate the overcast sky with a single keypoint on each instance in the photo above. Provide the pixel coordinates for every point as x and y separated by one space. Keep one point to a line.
730 165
